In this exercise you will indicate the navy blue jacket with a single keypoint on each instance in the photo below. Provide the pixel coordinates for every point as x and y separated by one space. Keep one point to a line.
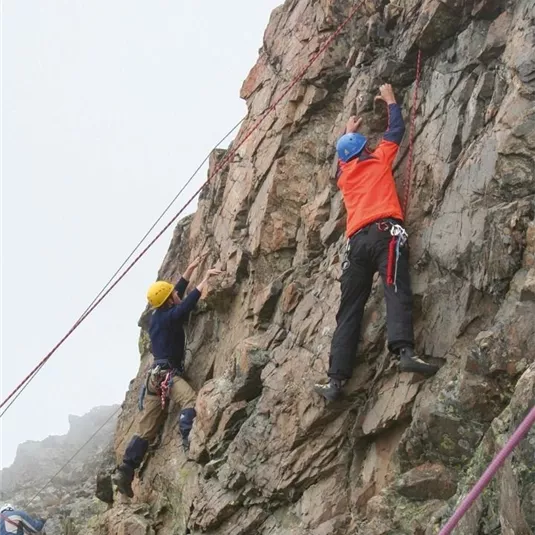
166 329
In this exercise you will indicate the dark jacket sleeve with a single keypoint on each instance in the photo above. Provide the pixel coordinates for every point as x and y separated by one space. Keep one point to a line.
181 311
396 126
388 148
181 287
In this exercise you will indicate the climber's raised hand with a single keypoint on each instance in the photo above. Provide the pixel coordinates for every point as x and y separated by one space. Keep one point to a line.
353 124
195 262
191 268
210 273
386 94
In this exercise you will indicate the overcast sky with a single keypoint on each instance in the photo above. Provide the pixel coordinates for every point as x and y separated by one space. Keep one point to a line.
107 107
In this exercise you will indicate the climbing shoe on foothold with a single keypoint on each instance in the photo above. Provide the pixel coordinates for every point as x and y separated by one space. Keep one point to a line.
409 362
123 477
331 391
185 423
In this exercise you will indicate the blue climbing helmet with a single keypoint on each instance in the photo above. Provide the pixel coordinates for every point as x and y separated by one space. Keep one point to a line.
350 145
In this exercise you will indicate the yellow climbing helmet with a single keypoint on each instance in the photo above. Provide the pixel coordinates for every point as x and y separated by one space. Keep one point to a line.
158 293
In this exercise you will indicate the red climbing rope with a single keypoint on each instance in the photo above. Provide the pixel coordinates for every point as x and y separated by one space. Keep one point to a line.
408 173
164 388
521 431
229 156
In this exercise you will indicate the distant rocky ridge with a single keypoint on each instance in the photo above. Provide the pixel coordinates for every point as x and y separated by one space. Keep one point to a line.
69 500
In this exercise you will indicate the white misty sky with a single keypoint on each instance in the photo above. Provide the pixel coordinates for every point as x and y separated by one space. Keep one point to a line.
108 106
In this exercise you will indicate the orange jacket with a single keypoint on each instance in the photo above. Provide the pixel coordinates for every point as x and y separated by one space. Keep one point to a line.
367 183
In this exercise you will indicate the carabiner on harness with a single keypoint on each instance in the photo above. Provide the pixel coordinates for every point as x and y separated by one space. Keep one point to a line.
345 262
399 232
399 238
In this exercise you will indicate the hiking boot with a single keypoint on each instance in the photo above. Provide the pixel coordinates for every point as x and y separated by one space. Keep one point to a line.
123 477
331 391
409 362
185 423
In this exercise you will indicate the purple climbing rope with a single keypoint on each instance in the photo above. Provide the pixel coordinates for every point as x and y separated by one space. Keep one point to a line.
512 443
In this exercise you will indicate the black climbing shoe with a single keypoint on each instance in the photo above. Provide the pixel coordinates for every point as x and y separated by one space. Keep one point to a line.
331 391
123 477
409 362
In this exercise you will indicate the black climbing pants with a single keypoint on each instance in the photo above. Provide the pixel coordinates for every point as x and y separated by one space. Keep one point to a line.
368 253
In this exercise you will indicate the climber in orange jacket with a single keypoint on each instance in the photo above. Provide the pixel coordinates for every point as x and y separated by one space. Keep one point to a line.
377 241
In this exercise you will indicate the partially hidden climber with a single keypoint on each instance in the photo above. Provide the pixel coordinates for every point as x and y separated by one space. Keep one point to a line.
165 379
17 522
377 241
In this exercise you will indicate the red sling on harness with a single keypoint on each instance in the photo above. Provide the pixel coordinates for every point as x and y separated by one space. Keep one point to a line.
164 387
391 262
12 522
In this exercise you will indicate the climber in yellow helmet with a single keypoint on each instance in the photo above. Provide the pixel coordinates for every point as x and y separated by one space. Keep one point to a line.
165 378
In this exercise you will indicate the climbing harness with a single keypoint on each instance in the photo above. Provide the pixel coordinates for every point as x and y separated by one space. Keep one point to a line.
398 240
158 382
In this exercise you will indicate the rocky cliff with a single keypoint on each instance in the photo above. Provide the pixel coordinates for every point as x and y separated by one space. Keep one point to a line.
68 499
271 458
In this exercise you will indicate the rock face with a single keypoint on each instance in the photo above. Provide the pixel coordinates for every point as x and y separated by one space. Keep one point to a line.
67 499
270 458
